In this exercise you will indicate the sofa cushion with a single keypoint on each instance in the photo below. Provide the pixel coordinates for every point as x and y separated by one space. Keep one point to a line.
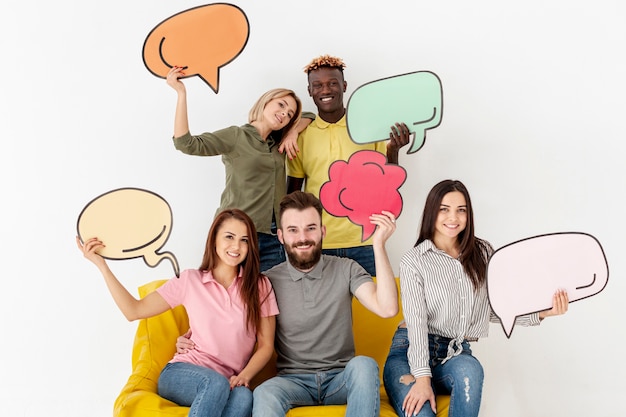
155 345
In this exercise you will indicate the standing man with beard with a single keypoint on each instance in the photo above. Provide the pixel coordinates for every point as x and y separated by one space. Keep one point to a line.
314 341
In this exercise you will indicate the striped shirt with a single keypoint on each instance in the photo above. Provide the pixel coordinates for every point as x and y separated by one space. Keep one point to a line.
438 297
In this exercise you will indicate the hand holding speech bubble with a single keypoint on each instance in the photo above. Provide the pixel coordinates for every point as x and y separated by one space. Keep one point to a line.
523 276
203 39
415 98
362 186
131 223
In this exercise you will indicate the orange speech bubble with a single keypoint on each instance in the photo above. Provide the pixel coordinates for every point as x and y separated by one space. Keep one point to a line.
203 39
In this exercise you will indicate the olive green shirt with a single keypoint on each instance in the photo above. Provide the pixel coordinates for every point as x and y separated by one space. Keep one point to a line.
255 171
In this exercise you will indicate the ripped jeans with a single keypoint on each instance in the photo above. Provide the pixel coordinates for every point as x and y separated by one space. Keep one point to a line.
461 376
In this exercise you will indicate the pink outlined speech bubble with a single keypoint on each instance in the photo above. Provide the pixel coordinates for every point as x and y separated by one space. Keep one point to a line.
523 276
362 186
131 222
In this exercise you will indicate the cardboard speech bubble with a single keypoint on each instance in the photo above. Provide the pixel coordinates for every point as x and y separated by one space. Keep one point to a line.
203 39
362 186
415 98
131 223
523 276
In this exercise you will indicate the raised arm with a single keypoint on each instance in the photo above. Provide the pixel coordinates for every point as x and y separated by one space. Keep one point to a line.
381 297
132 308
181 121
560 305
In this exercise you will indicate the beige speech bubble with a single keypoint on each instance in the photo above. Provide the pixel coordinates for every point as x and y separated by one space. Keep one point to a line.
131 223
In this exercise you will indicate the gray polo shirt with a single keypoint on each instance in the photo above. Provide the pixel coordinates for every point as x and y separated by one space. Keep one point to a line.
255 171
314 327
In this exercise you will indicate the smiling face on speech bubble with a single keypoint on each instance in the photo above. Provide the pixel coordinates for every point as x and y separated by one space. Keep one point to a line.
415 99
131 223
203 39
523 276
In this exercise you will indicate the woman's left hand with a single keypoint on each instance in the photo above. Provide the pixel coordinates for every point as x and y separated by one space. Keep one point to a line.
238 381
560 303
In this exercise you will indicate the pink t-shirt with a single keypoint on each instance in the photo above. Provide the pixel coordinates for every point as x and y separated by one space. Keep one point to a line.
217 318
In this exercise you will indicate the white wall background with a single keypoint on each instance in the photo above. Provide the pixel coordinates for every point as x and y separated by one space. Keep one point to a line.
534 103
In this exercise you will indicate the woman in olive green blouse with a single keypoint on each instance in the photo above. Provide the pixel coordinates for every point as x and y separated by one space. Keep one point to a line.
255 169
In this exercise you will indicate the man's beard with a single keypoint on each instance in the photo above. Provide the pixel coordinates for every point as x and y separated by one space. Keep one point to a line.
304 261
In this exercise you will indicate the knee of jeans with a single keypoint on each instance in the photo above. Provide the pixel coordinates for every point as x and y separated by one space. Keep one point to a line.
258 393
263 392
397 373
464 370
472 368
216 383
362 365
243 394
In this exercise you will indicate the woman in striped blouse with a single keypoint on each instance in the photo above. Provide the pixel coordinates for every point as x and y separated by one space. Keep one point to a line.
444 298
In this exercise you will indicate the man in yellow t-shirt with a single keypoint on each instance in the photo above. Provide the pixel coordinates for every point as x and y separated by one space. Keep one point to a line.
326 140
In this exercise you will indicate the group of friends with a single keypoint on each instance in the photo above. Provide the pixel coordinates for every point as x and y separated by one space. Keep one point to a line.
279 273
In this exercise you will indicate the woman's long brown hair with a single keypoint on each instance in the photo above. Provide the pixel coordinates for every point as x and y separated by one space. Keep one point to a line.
471 256
251 275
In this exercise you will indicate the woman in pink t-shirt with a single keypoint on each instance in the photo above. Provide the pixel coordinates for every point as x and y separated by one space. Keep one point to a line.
231 308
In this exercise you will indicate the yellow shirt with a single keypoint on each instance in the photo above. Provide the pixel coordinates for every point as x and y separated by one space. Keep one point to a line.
321 144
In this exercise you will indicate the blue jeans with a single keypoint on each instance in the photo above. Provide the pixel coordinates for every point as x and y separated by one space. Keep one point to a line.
364 255
461 376
357 386
207 392
271 251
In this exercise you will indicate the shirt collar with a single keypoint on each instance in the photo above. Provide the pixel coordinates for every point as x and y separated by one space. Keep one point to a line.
428 246
207 276
255 133
315 273
323 124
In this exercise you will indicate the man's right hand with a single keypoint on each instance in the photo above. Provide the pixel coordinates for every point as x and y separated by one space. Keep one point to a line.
184 343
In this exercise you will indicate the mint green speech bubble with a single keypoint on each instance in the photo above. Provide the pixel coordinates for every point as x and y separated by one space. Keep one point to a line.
415 98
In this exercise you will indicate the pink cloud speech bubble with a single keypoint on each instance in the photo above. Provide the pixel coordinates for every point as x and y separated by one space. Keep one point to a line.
523 276
362 186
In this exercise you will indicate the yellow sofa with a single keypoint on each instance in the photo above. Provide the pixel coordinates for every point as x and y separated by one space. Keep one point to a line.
155 343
